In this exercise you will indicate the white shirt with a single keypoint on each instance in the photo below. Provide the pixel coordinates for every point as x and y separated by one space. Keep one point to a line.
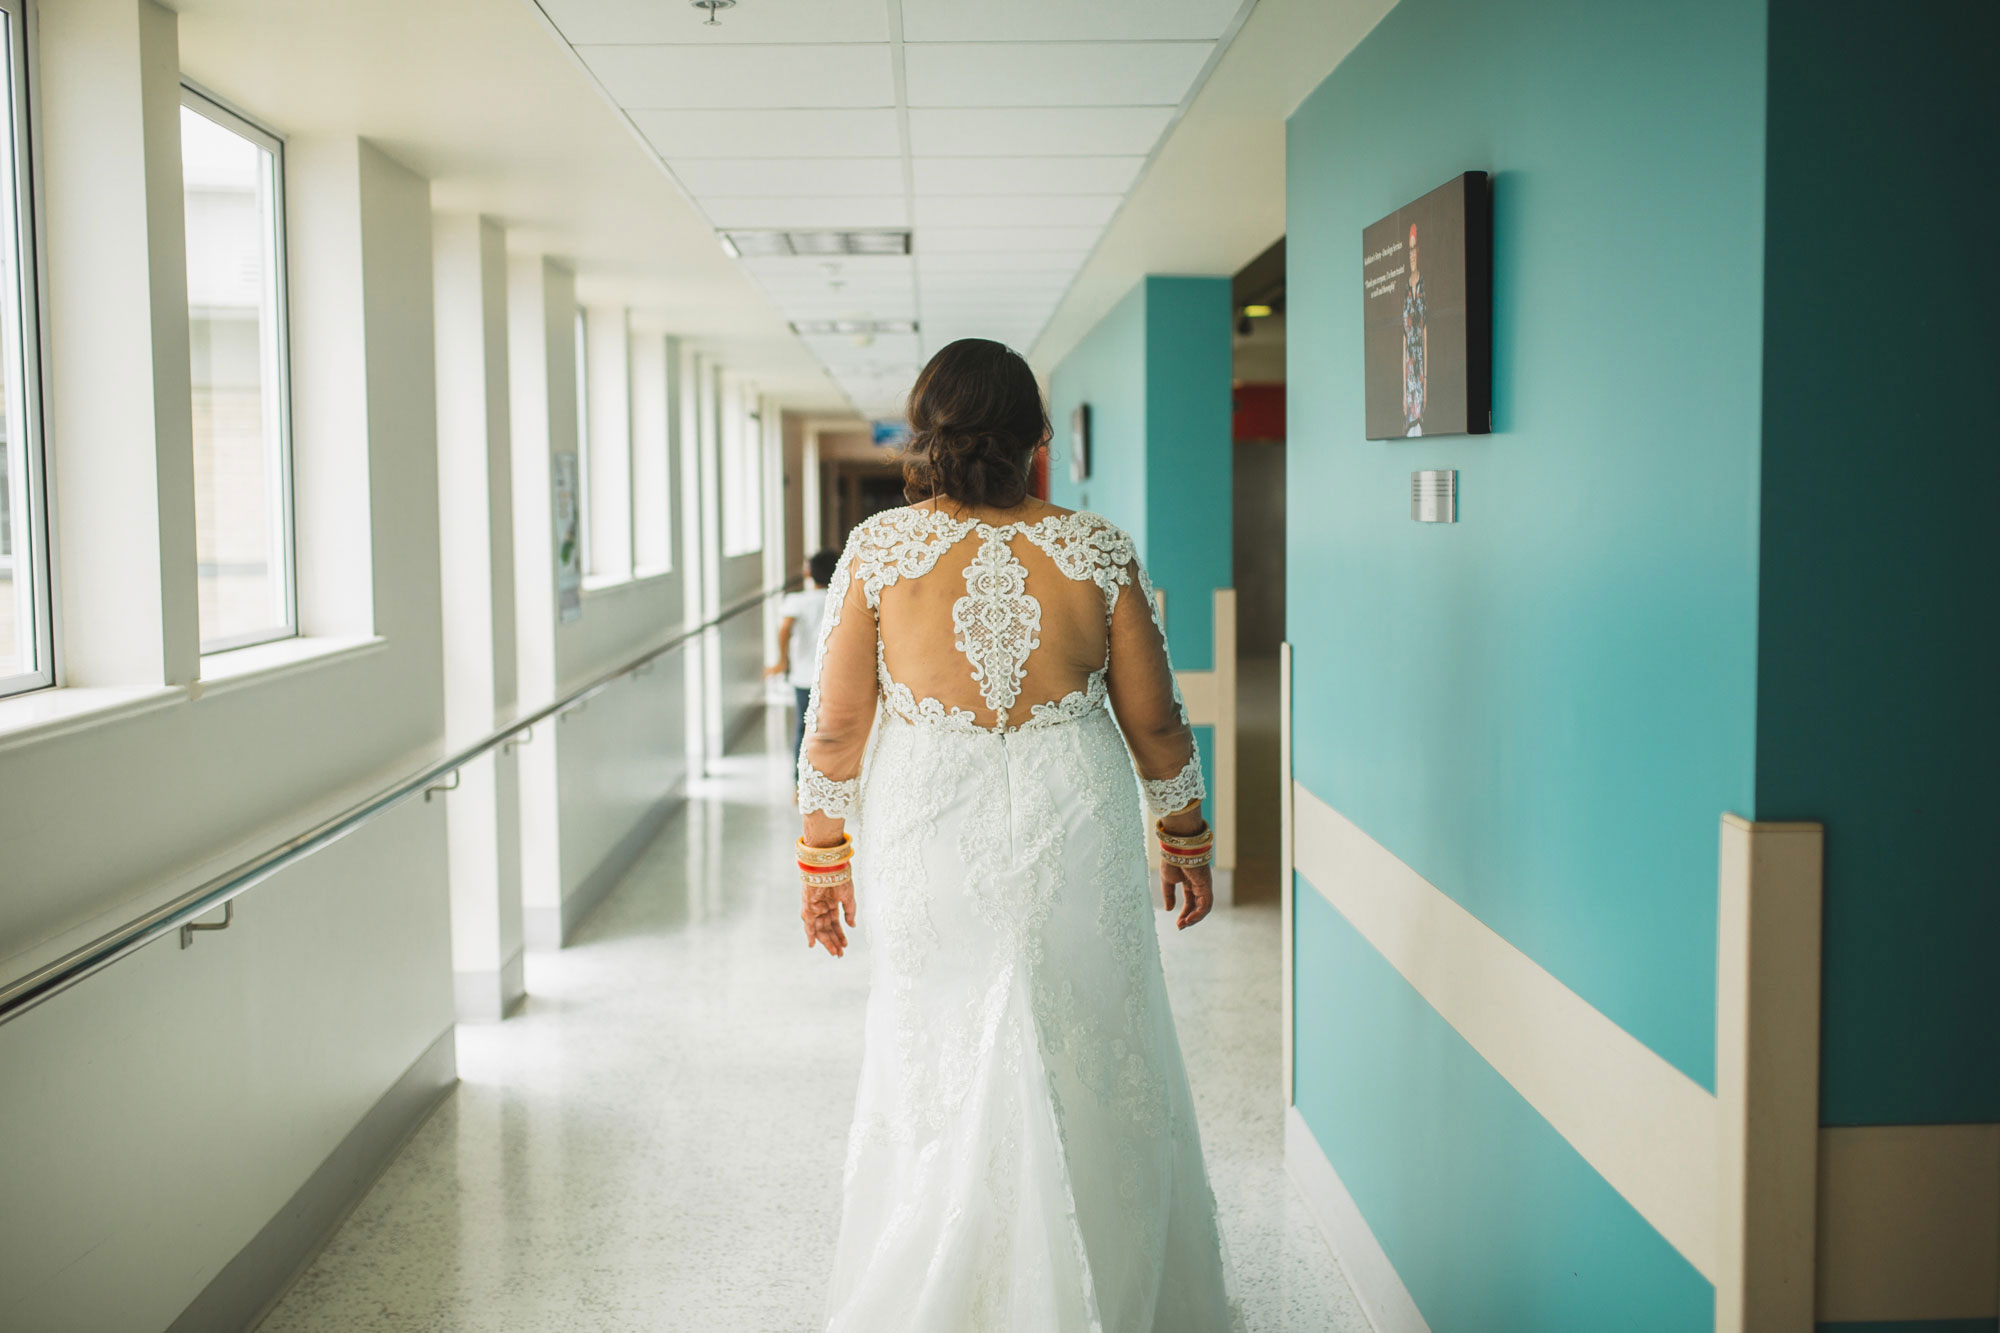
804 610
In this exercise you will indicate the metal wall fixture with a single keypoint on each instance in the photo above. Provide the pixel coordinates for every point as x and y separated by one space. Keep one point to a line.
228 919
23 993
1434 496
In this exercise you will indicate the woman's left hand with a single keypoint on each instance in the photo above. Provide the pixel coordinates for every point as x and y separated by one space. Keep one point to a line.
821 909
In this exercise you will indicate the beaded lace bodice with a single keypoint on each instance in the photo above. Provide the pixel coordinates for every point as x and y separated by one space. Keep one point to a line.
997 629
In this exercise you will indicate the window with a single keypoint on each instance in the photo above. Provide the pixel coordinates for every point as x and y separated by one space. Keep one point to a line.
742 469
652 500
232 175
26 657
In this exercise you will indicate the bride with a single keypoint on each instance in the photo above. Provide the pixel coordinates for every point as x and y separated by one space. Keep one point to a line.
1024 1154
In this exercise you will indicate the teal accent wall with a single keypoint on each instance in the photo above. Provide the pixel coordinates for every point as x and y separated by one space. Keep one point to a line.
1156 373
1108 371
1494 1222
1546 708
1190 460
1878 628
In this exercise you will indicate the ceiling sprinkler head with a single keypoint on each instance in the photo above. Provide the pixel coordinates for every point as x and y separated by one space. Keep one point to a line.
713 7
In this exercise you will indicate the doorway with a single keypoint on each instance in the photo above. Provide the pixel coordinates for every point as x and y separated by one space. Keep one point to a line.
1258 443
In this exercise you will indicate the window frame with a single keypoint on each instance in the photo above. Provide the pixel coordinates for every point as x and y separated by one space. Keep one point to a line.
29 494
204 103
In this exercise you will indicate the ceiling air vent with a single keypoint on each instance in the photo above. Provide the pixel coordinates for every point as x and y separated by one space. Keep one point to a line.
766 244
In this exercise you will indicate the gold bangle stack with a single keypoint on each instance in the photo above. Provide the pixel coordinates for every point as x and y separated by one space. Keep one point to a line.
817 857
826 867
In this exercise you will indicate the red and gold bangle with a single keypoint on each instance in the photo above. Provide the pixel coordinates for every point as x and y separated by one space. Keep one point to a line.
826 879
838 865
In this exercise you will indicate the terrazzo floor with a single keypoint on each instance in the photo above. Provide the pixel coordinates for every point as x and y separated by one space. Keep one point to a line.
655 1141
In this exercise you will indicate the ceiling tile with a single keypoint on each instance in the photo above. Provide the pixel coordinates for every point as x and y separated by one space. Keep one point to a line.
790 21
944 240
655 77
985 261
1066 20
882 351
792 175
805 213
820 266
1018 74
1026 281
938 307
1090 131
1024 210
1026 175
764 133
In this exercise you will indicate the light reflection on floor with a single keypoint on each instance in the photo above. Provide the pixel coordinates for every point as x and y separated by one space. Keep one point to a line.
655 1141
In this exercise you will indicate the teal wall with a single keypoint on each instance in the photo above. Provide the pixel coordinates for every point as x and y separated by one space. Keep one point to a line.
1494 1222
1546 708
1190 458
1156 373
1108 371
1878 626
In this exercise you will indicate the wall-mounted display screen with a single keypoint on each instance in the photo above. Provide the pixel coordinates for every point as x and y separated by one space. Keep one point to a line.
1427 323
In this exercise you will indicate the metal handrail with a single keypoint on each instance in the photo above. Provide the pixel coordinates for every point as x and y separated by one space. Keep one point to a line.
19 996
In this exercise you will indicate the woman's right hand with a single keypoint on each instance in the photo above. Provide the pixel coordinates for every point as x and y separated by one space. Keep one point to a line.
1200 895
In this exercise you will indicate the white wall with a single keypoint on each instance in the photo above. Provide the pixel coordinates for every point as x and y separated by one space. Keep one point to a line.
156 1117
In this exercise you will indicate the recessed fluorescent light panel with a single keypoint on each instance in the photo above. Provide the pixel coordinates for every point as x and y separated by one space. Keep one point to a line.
808 328
769 244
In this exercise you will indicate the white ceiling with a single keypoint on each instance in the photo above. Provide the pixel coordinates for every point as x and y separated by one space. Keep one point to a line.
1005 133
478 97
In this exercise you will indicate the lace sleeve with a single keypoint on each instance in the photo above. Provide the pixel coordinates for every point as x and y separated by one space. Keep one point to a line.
841 709
1147 701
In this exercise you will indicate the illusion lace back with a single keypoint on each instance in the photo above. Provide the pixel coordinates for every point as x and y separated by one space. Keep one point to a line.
1024 1156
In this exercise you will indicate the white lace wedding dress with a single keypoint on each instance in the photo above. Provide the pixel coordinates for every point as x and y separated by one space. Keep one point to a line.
1024 1155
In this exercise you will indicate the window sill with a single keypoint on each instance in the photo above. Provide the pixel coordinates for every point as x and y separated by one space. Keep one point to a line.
44 714
232 670
597 587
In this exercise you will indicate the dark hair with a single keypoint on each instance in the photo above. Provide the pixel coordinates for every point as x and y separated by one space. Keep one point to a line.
821 565
976 419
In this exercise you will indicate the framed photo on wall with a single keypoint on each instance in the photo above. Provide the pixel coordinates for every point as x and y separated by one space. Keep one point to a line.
1427 314
1079 443
566 494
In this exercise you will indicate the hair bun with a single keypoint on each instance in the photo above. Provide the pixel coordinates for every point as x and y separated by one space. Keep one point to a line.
976 419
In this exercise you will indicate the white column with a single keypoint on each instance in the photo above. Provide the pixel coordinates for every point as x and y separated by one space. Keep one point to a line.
541 361
120 393
608 401
476 541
